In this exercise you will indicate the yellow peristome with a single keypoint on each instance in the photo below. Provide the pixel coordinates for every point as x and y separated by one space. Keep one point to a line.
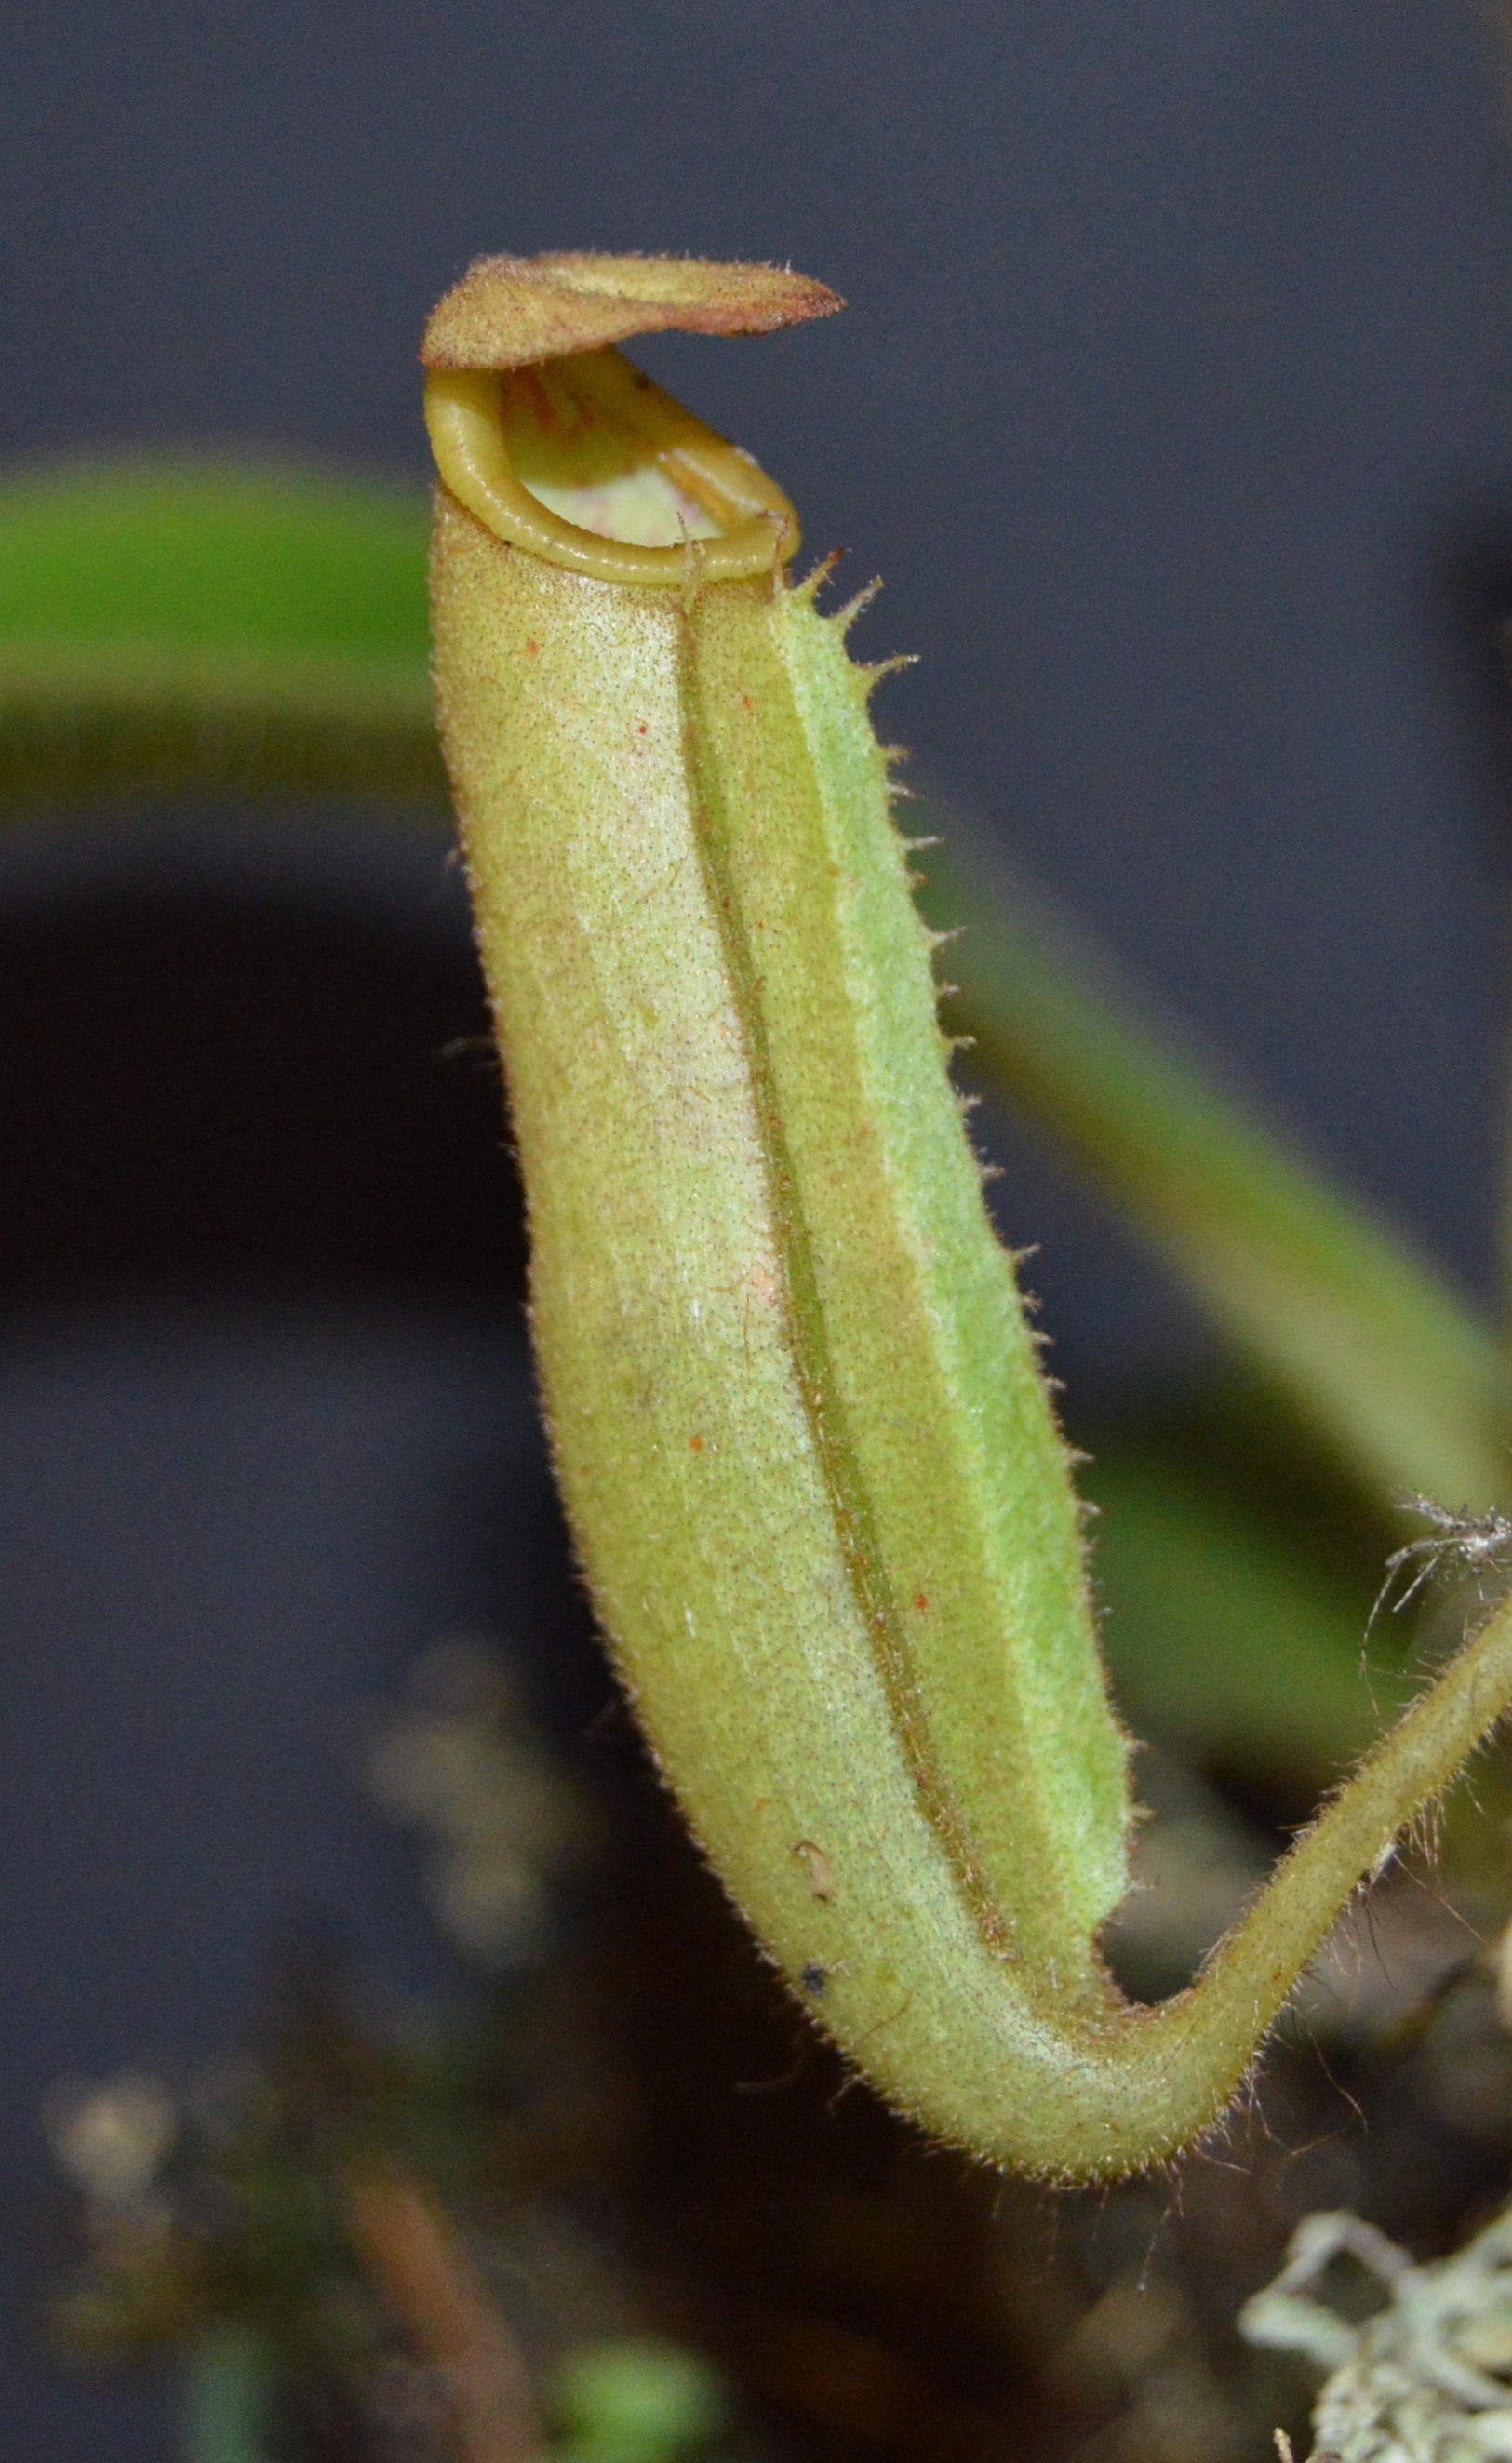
471 413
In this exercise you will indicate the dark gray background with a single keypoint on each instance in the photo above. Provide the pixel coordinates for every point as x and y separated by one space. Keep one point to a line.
1174 401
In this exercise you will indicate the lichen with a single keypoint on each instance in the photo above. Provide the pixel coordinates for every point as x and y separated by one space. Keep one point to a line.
1428 2378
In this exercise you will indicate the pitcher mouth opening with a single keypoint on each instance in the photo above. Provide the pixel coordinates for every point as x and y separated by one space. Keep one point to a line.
585 462
560 445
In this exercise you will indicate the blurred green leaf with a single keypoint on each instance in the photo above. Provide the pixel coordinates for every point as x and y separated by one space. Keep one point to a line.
637 2400
218 626
213 554
228 2388
1226 1643
1371 1349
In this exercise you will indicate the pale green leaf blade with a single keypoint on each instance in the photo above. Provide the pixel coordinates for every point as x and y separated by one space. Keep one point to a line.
212 624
